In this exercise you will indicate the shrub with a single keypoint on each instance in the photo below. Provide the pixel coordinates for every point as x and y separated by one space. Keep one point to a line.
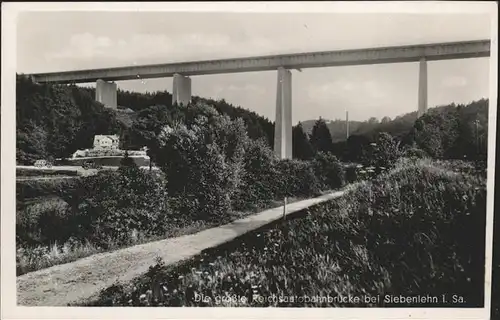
118 202
231 137
296 178
43 223
204 164
383 152
415 152
101 205
418 216
266 178
329 170
259 185
352 173
436 131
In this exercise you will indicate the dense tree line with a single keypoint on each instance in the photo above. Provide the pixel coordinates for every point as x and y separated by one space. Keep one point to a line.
53 121
257 126
446 132
56 120
454 131
398 127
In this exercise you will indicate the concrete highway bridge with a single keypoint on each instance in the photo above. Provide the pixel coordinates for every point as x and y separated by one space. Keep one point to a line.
181 73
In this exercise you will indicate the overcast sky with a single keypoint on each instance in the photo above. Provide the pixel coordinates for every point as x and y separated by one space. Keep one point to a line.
56 41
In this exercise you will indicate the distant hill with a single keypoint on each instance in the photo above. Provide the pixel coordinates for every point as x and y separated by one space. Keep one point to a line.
399 126
337 128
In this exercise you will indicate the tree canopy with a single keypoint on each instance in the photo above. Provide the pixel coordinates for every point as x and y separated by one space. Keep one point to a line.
56 120
321 140
302 148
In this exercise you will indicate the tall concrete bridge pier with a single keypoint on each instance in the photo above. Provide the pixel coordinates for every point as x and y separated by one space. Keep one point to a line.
422 87
182 73
105 93
181 90
283 122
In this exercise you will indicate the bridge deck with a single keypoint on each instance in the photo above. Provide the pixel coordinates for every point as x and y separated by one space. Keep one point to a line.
395 54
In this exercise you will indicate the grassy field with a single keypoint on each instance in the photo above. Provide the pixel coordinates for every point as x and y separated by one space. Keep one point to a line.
417 231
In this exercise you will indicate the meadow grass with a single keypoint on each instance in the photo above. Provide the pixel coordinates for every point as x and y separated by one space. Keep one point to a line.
415 231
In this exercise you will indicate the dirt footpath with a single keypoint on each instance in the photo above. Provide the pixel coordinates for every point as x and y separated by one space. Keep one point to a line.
84 278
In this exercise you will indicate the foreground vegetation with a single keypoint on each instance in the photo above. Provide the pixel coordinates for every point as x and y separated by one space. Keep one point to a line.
40 255
402 233
417 230
211 173
72 219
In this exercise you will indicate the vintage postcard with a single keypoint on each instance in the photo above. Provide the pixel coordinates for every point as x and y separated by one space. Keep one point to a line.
249 160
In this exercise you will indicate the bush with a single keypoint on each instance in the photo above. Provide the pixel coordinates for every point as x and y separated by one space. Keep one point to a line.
205 193
204 164
259 179
112 205
352 173
266 178
43 223
453 131
415 152
384 152
296 178
329 170
103 208
418 216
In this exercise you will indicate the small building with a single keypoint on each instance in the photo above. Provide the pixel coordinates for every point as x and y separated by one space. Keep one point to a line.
106 142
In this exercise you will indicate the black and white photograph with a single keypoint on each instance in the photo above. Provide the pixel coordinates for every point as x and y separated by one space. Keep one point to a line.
282 157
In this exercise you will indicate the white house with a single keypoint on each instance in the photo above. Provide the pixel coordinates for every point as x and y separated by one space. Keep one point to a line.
106 142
